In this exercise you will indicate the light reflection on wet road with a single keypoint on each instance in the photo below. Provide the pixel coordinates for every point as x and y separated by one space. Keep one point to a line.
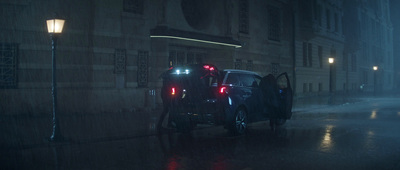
358 136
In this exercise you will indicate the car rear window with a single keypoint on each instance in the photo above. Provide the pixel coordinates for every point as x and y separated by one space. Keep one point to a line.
247 80
233 79
241 79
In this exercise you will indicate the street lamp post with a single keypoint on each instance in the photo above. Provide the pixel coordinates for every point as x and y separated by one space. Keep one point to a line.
331 61
375 68
54 27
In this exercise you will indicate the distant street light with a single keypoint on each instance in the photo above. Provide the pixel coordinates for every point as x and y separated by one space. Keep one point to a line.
55 27
375 68
331 62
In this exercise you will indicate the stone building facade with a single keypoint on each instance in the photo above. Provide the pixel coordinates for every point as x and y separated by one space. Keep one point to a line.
369 42
395 13
319 36
111 53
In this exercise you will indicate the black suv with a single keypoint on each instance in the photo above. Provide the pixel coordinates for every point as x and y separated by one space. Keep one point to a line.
201 94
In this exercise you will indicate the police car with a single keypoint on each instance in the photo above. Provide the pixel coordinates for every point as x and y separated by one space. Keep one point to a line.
202 94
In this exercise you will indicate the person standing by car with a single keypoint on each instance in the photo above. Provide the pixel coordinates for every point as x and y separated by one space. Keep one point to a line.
165 100
269 87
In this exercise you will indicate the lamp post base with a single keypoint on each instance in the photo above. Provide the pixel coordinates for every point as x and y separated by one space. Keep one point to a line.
56 139
56 136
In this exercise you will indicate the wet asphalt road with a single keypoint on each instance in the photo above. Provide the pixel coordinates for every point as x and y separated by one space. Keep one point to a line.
363 135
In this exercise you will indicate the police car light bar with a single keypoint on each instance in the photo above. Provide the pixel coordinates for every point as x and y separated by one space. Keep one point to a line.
179 72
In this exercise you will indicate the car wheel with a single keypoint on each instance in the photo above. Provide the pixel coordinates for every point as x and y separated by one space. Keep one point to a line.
239 123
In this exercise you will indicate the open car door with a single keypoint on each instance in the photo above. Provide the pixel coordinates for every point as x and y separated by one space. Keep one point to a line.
286 95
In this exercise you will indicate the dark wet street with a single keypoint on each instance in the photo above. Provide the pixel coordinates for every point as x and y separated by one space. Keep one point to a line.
361 135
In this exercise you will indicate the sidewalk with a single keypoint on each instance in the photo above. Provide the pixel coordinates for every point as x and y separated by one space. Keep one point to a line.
302 104
26 131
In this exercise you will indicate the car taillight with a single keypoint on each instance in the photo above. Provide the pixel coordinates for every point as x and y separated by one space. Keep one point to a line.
173 90
222 90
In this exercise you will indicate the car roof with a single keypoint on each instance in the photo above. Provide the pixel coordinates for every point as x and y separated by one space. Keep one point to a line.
240 71
193 67
190 70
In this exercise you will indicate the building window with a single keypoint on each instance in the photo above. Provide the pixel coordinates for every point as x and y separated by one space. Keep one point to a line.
274 23
249 65
305 87
319 13
353 63
275 69
120 67
143 66
238 64
176 58
134 6
315 9
307 54
336 23
190 58
8 65
120 61
320 52
320 87
182 57
345 62
244 16
310 88
171 59
199 58
328 19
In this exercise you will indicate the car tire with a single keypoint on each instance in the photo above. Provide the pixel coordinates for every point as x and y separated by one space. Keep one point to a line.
238 125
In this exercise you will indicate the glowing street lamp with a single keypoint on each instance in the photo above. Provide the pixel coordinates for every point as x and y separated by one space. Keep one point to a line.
55 27
331 61
375 68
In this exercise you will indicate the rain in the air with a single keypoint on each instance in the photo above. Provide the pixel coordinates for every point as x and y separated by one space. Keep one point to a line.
199 84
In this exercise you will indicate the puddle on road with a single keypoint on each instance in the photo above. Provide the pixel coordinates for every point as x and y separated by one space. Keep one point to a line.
373 114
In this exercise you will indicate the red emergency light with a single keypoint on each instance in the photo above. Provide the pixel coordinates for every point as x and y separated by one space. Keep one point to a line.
222 90
173 90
